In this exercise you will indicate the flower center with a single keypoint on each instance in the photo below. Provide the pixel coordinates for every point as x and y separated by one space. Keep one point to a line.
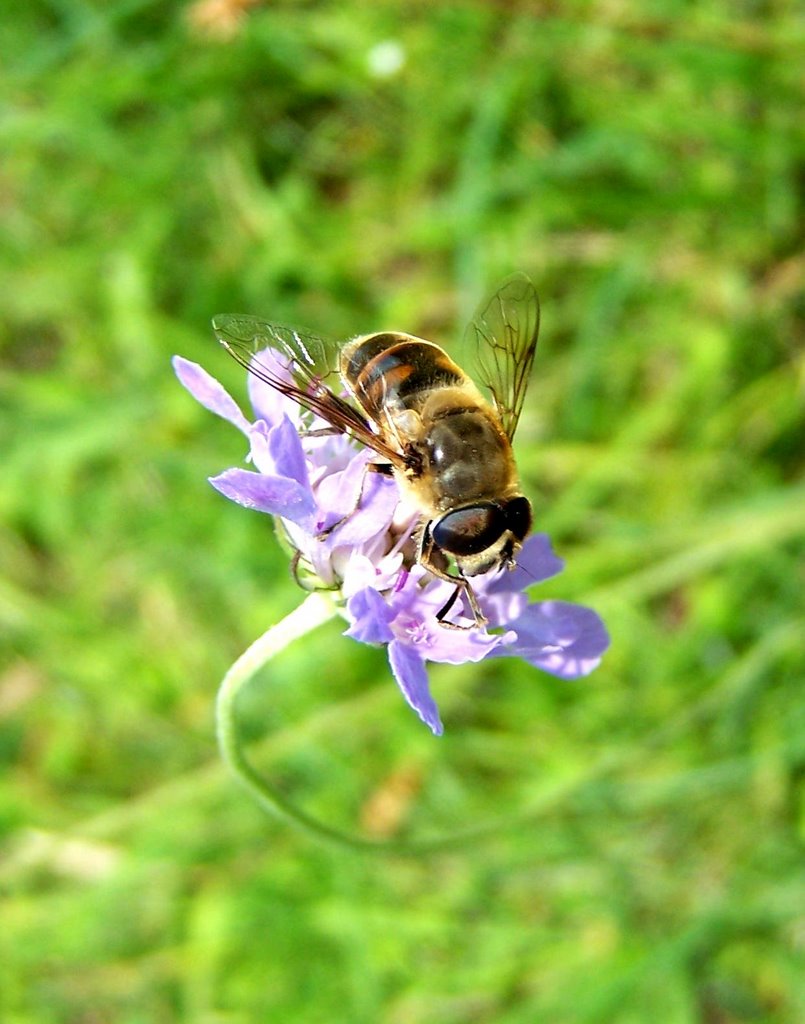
416 632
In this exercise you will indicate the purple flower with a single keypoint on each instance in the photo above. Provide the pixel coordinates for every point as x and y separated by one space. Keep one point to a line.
350 532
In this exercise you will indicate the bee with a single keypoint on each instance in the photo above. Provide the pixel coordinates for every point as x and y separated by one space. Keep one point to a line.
448 447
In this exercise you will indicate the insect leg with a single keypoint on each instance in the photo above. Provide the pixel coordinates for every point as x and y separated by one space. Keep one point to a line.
434 560
462 586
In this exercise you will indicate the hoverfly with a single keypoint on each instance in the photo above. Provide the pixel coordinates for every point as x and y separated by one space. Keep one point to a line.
447 446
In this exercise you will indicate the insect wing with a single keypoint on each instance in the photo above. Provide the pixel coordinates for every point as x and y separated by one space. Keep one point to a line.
309 359
501 340
303 364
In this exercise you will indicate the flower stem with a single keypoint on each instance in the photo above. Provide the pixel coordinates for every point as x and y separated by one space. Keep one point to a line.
316 609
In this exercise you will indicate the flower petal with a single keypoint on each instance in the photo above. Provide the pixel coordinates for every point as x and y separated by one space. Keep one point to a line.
500 592
348 492
370 617
378 500
500 606
208 392
536 562
359 570
409 671
285 449
268 403
259 453
276 495
564 639
455 646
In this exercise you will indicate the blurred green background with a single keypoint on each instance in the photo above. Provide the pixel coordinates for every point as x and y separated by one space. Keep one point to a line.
348 166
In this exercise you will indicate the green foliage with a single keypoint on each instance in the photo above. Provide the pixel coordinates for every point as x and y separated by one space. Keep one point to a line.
634 848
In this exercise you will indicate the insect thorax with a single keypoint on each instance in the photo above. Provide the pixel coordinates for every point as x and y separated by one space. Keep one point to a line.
467 456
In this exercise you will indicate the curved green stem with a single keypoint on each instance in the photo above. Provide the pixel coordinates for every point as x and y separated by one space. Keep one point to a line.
312 612
317 608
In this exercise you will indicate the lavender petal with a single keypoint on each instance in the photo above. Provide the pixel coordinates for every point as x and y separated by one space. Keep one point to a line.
370 617
501 606
208 392
268 403
564 639
278 496
456 646
409 671
286 451
375 510
259 451
536 562
364 570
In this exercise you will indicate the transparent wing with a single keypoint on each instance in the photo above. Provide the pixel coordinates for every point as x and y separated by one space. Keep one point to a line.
309 359
501 340
304 363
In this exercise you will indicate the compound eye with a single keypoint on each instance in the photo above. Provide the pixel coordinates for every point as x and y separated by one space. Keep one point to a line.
468 531
518 516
